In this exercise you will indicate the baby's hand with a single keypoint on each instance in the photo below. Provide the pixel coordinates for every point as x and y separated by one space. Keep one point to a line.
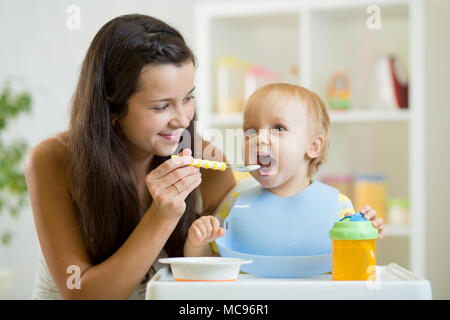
204 230
371 214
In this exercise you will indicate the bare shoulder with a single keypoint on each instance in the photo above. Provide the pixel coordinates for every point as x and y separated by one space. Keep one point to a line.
48 158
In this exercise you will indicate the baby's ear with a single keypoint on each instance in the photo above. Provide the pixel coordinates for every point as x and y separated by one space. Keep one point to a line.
315 147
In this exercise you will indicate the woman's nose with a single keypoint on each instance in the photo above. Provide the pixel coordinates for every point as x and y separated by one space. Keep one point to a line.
180 118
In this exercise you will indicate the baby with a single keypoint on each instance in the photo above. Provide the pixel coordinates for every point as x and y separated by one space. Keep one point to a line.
286 133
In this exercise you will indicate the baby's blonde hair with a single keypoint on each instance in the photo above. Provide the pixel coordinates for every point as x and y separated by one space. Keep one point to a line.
317 114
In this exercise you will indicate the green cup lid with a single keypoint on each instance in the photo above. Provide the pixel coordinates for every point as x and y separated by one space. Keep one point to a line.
354 227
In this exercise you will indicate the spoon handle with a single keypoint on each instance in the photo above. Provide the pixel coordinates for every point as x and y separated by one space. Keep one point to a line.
206 164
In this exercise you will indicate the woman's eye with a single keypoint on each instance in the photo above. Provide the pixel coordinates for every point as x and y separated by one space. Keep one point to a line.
161 108
188 98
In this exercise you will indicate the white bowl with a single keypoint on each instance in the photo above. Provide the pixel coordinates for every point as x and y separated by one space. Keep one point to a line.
205 268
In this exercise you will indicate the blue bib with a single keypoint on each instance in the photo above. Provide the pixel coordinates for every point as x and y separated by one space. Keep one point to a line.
264 224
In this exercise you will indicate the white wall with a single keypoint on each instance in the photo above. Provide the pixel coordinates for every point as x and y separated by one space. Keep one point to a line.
437 129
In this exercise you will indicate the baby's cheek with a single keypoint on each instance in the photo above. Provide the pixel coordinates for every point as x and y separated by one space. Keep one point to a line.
285 151
290 157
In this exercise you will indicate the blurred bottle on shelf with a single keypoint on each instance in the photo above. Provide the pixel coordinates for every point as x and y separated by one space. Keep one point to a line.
342 182
398 211
257 77
370 189
230 84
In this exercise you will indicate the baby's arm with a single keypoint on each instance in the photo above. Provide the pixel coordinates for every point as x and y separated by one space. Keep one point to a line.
198 245
200 234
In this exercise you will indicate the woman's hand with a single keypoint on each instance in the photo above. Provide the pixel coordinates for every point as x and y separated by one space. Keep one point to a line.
170 184
371 214
204 230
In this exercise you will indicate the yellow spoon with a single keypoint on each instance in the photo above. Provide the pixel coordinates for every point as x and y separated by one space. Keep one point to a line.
216 165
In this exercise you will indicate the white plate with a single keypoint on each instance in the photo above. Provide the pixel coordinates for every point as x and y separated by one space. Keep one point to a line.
205 268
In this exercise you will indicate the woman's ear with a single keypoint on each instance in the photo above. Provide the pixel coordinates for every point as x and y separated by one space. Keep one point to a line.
316 147
114 120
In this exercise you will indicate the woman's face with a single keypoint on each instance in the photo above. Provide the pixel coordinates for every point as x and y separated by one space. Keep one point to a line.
160 109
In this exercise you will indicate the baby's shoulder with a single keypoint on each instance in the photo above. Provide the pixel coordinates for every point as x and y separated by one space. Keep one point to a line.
330 190
345 204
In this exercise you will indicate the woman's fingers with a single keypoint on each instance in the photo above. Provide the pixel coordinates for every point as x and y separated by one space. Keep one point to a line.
185 153
170 165
165 183
188 181
178 176
190 184
181 189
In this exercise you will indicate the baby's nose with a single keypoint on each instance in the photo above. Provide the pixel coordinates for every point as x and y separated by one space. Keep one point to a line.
263 136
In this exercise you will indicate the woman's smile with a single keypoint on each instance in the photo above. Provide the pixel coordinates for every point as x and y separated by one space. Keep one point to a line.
171 136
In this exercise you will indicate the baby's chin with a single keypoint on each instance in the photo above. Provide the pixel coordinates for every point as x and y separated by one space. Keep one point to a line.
267 178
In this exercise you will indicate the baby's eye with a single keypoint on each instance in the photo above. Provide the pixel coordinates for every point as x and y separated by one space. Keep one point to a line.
249 132
279 128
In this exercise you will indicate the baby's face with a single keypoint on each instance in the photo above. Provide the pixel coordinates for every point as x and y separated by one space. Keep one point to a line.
276 137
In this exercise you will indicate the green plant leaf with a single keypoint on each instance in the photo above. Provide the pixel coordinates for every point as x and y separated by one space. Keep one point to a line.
13 187
6 238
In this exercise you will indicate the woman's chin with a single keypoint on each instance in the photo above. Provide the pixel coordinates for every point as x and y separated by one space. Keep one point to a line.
165 151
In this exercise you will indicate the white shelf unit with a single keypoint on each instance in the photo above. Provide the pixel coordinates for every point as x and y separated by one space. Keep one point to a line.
353 116
321 36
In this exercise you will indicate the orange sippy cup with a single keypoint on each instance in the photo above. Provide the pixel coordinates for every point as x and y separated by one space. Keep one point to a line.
353 248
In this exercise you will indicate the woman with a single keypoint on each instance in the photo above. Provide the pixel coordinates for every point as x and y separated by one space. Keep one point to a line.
107 199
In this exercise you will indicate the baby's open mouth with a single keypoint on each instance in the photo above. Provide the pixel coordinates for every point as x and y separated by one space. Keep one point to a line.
267 164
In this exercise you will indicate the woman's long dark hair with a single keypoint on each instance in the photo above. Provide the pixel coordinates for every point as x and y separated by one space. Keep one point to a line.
102 182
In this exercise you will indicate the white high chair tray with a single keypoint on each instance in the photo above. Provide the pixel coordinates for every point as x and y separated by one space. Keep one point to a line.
392 283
